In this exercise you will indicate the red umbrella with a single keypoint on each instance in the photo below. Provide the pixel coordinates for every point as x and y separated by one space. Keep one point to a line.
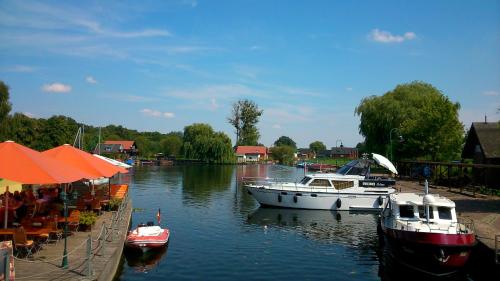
28 166
84 161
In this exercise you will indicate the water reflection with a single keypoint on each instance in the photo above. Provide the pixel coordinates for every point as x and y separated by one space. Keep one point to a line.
348 228
144 262
201 181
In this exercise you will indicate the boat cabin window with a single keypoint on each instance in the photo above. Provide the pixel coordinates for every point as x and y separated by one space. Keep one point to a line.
320 182
421 212
305 180
355 167
342 184
406 211
444 213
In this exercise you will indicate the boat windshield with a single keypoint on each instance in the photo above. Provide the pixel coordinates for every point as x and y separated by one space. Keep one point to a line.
355 167
305 180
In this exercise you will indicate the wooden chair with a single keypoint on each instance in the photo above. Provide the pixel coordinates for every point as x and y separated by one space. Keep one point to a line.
21 243
55 234
74 220
96 206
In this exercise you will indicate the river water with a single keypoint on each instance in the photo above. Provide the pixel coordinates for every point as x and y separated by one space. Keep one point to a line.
218 231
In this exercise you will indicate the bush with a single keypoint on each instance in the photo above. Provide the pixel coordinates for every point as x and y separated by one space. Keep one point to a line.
87 218
114 203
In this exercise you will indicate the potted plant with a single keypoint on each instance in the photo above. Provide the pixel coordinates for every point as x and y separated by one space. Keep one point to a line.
87 219
114 204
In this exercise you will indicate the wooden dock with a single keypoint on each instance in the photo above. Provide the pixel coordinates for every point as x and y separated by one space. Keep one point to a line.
92 255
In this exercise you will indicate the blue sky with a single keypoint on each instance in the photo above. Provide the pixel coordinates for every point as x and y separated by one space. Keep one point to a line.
162 65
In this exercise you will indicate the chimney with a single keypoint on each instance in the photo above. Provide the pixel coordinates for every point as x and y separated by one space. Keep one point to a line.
485 121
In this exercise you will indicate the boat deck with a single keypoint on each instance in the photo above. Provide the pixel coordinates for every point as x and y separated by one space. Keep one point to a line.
483 210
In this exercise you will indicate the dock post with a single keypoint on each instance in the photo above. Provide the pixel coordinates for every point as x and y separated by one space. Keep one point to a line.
7 265
497 249
89 256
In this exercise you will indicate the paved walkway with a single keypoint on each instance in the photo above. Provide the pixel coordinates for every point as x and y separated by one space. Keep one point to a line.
46 264
484 210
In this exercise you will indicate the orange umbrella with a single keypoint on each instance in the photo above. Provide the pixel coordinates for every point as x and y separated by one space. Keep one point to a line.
25 165
84 161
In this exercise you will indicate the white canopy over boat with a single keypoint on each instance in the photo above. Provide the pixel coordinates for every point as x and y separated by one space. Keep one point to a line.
113 161
384 162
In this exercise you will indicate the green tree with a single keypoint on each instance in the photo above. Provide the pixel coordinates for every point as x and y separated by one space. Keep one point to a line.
55 131
284 154
171 144
244 118
317 146
284 140
5 107
427 120
202 143
22 129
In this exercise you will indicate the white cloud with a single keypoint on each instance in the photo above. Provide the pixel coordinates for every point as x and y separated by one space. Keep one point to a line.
174 50
91 80
20 68
137 34
192 3
491 93
256 48
213 104
387 37
134 98
158 114
222 91
29 114
287 113
349 89
277 126
56 88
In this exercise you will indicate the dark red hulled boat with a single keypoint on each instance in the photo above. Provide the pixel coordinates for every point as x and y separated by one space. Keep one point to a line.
423 232
146 237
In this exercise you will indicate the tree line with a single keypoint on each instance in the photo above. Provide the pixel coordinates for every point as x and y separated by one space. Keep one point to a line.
197 141
413 121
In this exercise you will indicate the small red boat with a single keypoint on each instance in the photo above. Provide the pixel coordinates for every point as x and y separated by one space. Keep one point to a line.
423 232
148 236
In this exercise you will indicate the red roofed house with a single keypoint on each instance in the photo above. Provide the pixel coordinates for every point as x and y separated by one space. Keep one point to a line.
128 148
251 153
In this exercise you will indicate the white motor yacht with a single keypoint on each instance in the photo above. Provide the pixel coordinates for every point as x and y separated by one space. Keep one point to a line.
350 188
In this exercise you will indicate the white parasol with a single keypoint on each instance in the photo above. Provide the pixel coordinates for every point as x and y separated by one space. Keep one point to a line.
113 161
384 162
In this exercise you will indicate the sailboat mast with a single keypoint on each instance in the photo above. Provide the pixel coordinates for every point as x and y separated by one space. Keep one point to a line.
99 143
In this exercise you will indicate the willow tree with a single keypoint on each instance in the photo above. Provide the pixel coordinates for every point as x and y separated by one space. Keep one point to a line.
202 143
244 118
422 115
317 146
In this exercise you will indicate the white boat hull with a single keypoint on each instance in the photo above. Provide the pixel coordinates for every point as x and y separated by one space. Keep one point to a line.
318 200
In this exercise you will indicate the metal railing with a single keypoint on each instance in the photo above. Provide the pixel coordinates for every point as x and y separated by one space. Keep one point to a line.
497 248
108 233
279 184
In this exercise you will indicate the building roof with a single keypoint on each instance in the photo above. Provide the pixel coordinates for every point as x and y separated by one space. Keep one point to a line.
487 135
305 150
343 150
108 148
243 149
127 145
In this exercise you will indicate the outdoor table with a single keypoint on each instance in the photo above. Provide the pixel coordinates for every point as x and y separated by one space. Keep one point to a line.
7 231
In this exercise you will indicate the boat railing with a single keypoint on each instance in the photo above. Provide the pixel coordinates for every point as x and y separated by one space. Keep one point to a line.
465 226
279 184
263 180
